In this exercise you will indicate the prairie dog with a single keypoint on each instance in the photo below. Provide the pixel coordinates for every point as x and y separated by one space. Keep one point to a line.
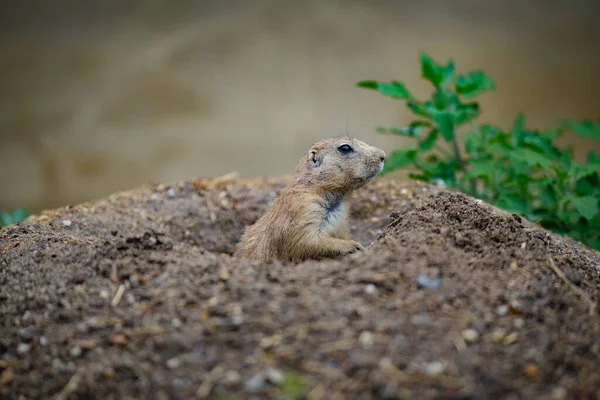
309 219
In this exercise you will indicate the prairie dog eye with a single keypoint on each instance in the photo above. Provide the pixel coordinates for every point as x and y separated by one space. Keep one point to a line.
345 149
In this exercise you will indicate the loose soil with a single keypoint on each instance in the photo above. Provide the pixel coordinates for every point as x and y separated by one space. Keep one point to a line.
138 296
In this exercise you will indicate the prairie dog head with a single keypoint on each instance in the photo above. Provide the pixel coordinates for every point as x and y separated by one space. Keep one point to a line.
340 164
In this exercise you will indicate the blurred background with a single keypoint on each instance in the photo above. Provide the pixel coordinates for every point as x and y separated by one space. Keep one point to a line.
97 97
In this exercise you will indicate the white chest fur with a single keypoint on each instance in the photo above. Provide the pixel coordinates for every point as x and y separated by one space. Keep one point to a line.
334 213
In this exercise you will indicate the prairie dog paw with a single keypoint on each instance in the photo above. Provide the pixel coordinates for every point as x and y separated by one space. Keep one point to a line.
353 247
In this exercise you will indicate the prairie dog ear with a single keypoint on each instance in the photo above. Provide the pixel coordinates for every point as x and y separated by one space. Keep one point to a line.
315 157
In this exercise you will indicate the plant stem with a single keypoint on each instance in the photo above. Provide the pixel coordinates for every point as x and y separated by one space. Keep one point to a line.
456 151
461 164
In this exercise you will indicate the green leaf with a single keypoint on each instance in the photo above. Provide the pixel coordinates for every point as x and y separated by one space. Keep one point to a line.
547 197
473 83
294 386
552 133
441 100
431 70
518 124
593 157
5 219
578 171
531 158
484 167
466 112
419 177
20 214
512 203
394 89
586 206
400 159
448 72
445 121
518 132
415 129
439 170
9 218
586 128
542 145
588 185
419 109
429 141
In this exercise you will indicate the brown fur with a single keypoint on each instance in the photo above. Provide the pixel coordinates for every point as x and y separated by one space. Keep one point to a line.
310 217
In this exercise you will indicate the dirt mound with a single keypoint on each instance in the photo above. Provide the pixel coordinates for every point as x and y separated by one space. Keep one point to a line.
138 295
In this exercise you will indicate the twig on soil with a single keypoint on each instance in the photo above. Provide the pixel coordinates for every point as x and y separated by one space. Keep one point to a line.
400 376
572 286
339 345
317 393
211 208
149 330
70 387
225 178
315 367
114 274
117 299
207 385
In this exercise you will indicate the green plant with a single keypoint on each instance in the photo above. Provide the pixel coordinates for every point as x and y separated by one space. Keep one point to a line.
521 170
12 217
294 386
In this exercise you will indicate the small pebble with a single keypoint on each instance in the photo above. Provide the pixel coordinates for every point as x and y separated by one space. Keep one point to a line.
120 339
498 335
519 323
23 348
434 368
224 275
109 373
58 365
425 282
366 339
238 316
66 222
502 310
370 289
25 334
232 377
43 341
178 382
470 335
173 363
255 384
275 376
559 393
75 351
171 192
104 294
516 305
530 370
176 323
511 338
6 377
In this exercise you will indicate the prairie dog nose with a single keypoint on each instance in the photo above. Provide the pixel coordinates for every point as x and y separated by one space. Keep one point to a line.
382 155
